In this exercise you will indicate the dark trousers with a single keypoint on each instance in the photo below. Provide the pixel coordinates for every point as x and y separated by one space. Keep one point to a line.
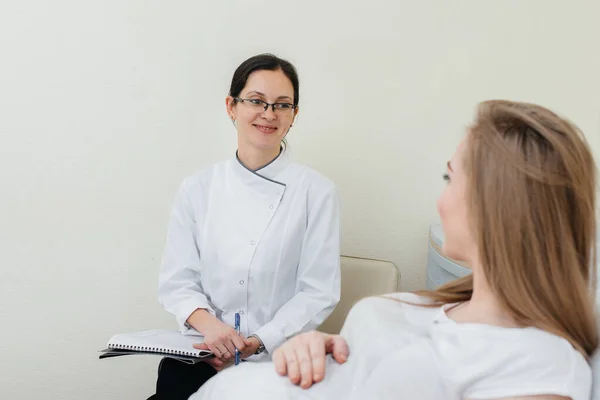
178 380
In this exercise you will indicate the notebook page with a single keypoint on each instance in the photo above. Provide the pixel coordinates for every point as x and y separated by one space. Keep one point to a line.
158 340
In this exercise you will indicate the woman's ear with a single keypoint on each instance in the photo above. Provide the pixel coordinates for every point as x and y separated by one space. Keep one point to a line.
230 107
295 116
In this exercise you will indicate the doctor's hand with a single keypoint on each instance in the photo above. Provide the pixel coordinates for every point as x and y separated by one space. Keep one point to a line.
217 364
302 358
220 338
252 344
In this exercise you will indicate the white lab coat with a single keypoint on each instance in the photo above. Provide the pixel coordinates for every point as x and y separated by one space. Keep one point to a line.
265 244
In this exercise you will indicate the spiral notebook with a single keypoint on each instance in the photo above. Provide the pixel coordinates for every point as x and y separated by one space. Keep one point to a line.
159 342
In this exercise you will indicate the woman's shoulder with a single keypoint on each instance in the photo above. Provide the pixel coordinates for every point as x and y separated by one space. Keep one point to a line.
410 298
203 176
313 178
396 314
393 302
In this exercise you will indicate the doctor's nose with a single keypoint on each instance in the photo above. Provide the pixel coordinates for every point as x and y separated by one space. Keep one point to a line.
269 114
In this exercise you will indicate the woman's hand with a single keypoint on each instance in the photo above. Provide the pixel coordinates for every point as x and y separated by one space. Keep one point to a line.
220 338
302 358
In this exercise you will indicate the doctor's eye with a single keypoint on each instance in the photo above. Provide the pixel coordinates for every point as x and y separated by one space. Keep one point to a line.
283 106
256 102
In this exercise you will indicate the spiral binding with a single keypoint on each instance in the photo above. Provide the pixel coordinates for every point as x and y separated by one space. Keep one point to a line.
153 350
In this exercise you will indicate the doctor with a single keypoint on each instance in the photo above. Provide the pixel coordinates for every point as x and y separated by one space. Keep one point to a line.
257 235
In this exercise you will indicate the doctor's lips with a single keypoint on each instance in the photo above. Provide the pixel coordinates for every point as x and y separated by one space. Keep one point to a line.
265 128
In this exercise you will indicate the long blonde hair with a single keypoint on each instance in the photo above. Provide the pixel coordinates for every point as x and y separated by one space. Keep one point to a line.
531 192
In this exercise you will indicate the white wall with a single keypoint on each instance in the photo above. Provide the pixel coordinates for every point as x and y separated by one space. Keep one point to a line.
105 106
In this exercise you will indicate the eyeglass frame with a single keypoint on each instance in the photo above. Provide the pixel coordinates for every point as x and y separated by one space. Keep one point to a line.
265 104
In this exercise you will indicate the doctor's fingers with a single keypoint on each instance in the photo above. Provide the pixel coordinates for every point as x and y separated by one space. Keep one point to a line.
217 364
238 342
230 346
223 353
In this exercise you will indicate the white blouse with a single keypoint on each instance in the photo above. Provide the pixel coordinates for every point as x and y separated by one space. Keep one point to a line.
262 243
401 351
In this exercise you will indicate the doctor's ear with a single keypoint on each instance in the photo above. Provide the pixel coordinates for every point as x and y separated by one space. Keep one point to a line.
294 120
230 107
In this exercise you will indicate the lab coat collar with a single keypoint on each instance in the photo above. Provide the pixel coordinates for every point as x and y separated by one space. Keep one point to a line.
266 177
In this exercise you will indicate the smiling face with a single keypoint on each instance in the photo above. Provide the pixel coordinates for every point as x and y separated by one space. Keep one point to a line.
259 128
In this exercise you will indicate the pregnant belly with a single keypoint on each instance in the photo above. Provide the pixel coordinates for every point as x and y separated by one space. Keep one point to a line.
259 381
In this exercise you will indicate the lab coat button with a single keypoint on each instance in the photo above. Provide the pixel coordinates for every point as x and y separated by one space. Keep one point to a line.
241 282
241 312
271 206
252 243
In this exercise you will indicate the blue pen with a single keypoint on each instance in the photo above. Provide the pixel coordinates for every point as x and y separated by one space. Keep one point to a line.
237 329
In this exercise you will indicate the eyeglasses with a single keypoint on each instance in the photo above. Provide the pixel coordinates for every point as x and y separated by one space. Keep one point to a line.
280 108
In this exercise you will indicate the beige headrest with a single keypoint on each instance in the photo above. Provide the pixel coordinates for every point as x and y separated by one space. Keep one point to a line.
361 277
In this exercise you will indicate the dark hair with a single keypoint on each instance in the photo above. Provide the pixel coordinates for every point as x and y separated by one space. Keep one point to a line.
261 62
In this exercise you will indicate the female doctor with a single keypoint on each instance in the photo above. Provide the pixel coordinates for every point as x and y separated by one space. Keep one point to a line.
256 235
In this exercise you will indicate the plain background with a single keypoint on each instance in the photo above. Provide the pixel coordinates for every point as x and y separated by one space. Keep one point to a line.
106 106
